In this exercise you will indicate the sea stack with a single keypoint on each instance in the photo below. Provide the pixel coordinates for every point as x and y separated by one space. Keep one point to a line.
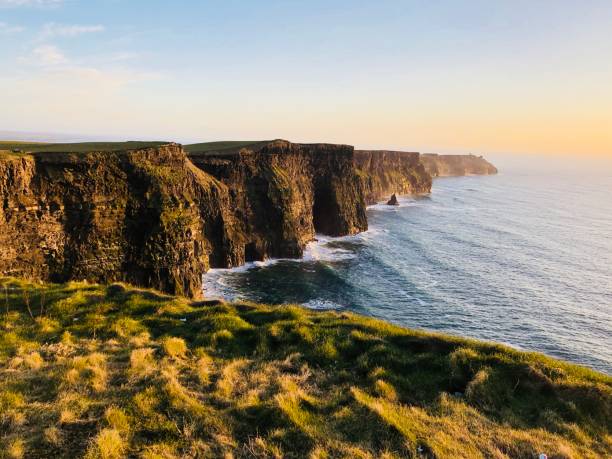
393 201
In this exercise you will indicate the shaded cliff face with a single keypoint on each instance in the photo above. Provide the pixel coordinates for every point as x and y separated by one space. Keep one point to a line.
383 173
456 165
282 193
147 216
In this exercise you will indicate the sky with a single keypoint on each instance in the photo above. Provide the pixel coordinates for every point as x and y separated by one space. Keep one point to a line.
433 76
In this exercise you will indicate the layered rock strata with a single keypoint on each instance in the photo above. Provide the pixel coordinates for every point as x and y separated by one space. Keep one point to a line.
284 193
150 217
147 216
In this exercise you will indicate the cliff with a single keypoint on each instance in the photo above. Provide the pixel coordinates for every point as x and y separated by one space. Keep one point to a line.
145 216
150 217
284 193
156 216
383 173
456 165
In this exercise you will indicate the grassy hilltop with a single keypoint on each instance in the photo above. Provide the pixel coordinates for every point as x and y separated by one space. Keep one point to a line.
113 371
16 147
78 147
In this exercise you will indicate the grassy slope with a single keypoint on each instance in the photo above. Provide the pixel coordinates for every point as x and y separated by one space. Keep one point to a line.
83 147
111 371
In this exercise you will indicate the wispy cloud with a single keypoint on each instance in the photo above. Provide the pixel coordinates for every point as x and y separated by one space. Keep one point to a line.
6 29
51 30
46 55
18 3
53 62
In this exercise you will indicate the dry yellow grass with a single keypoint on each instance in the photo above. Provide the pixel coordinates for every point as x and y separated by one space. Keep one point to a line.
108 444
249 380
174 347
142 363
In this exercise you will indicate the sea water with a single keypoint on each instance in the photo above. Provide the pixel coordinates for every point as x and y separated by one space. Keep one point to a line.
522 258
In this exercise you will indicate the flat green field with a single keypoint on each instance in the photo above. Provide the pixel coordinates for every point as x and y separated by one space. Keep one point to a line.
225 147
113 371
82 147
13 148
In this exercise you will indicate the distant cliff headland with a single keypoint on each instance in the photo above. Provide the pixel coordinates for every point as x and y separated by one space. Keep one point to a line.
456 165
159 215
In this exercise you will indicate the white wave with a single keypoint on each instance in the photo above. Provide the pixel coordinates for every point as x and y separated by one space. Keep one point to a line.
322 305
214 286
319 250
322 250
403 201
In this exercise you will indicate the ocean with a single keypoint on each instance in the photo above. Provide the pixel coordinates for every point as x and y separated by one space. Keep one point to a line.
522 258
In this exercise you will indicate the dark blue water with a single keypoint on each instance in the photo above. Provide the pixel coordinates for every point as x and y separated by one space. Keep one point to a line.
523 258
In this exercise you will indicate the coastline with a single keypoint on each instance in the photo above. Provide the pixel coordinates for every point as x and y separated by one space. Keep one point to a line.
450 247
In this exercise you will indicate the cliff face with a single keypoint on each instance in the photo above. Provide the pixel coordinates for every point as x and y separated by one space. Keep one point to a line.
283 193
383 173
157 217
456 165
152 218
147 217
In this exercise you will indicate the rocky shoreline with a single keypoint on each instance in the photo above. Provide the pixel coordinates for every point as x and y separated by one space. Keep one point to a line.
161 215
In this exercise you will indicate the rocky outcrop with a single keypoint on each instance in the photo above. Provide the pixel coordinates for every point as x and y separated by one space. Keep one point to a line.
383 173
147 216
456 165
283 193
393 201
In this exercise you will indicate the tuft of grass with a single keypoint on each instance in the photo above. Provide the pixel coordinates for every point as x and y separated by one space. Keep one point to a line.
126 327
159 451
204 368
71 406
117 419
142 363
108 444
53 436
87 372
15 449
113 372
33 361
174 347
385 390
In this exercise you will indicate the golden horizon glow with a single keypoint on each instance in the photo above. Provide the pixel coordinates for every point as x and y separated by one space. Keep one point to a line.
477 77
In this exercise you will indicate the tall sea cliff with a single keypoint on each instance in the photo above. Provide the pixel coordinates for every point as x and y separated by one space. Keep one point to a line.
160 216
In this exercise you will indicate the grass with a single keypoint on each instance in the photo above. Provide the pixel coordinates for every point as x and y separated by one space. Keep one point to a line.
16 148
155 376
12 147
223 147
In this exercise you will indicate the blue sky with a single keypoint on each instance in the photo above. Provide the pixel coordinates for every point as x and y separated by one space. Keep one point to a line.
426 75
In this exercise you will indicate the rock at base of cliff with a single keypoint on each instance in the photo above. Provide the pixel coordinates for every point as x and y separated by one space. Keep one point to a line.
393 201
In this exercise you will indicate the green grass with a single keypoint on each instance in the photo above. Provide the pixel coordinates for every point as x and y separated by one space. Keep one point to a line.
223 147
17 148
82 147
114 371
